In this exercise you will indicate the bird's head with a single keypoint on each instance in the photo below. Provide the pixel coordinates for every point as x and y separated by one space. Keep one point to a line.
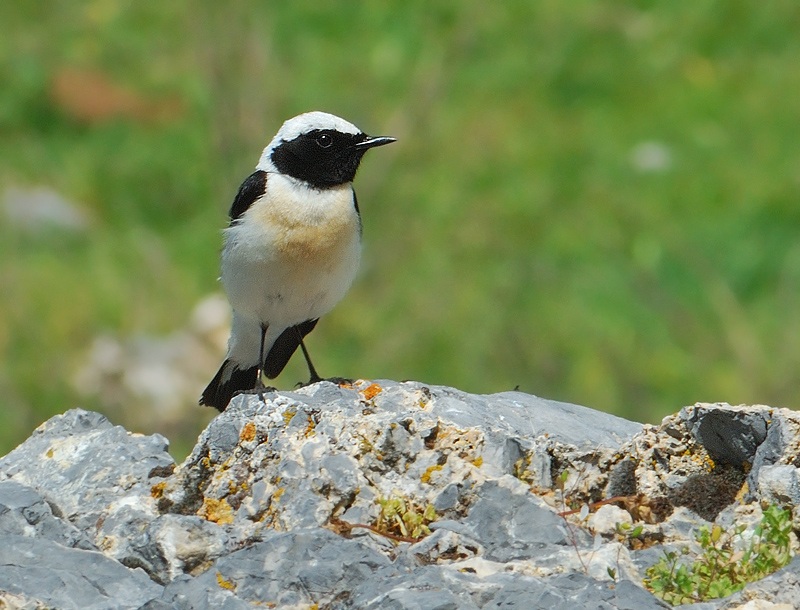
318 148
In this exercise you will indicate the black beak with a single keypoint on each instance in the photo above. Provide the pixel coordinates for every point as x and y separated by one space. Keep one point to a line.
373 142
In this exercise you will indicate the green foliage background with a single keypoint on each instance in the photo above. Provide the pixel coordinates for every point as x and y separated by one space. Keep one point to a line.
509 238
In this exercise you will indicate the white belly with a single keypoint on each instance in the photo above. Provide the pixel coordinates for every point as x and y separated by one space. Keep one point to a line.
293 255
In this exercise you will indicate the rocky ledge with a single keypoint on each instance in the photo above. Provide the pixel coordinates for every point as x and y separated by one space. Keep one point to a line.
390 495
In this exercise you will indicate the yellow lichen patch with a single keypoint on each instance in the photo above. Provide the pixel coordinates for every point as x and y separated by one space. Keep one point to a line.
50 452
310 427
248 432
704 460
424 398
478 461
218 511
371 391
288 414
466 444
522 470
426 476
157 490
234 486
365 445
106 543
224 583
744 491
270 516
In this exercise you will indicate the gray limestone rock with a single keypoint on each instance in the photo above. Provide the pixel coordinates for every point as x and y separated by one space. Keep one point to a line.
24 512
386 495
68 578
443 587
779 484
325 452
170 545
297 569
512 526
12 601
83 464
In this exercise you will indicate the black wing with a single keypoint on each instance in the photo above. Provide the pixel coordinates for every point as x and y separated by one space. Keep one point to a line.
358 213
284 346
229 381
252 188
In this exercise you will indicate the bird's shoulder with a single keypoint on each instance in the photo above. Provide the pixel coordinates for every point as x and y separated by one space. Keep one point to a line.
252 189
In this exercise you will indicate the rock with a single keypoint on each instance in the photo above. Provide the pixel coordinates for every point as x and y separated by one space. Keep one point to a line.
96 477
325 450
66 578
386 495
730 435
779 484
170 545
297 569
11 601
757 604
87 467
512 526
24 512
607 519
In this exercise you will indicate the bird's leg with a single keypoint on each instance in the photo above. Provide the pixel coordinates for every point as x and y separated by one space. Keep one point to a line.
311 370
260 387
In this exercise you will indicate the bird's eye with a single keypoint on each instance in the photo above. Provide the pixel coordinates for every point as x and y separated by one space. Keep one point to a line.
324 140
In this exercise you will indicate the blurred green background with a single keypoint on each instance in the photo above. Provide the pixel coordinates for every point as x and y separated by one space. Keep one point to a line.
594 201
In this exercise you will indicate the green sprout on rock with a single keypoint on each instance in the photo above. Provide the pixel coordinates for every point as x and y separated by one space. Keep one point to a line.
721 569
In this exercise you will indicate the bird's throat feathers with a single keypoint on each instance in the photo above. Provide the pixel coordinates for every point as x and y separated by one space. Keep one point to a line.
300 221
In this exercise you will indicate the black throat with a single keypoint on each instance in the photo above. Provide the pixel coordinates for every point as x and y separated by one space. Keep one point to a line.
323 158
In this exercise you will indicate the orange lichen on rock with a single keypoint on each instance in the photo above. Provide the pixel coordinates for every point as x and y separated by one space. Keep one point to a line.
157 490
371 391
248 432
218 511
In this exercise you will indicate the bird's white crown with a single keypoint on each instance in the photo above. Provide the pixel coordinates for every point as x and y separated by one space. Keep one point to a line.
297 126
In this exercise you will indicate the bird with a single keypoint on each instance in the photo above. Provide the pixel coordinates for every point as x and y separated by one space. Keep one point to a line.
291 250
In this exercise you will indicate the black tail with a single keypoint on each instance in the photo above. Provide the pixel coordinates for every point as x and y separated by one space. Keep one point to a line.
284 346
228 381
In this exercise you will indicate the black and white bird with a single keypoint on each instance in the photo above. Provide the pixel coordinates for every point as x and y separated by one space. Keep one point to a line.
292 248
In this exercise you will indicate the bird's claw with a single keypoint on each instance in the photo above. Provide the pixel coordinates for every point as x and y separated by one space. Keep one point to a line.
340 381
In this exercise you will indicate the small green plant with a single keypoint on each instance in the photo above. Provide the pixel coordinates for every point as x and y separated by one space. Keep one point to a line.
405 518
721 569
632 536
628 530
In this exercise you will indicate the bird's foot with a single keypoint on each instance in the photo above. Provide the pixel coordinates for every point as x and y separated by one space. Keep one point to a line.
259 391
340 381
